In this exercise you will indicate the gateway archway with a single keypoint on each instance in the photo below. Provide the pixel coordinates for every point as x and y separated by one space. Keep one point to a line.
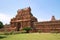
18 26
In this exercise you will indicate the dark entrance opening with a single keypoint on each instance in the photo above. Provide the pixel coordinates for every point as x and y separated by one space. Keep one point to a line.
18 26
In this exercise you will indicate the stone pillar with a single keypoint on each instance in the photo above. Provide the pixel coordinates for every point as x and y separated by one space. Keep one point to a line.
21 26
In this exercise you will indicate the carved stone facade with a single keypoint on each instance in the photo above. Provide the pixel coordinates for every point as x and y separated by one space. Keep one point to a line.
24 18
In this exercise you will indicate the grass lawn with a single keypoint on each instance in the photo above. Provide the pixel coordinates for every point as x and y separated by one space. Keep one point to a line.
33 36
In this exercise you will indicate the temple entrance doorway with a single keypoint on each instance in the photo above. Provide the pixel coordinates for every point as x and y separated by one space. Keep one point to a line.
18 26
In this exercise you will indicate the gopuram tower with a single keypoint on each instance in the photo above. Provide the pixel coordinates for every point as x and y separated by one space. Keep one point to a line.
24 18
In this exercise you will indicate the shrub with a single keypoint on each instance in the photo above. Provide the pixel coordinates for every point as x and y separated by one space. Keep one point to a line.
1 25
27 29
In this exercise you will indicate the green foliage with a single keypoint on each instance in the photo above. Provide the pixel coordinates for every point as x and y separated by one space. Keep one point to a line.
1 25
27 29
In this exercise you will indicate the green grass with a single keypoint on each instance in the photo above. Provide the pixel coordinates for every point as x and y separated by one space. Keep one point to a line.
33 36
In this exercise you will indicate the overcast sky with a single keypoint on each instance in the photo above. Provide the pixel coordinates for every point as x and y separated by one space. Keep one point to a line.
41 9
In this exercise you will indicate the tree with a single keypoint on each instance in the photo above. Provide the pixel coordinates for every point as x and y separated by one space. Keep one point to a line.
27 29
1 25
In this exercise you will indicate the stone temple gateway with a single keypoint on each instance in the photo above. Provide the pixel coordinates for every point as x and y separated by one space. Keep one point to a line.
24 18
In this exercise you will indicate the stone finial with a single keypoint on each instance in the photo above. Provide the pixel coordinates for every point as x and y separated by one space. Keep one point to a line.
27 9
53 18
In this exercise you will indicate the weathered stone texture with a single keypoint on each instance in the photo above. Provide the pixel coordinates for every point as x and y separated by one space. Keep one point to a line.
24 18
